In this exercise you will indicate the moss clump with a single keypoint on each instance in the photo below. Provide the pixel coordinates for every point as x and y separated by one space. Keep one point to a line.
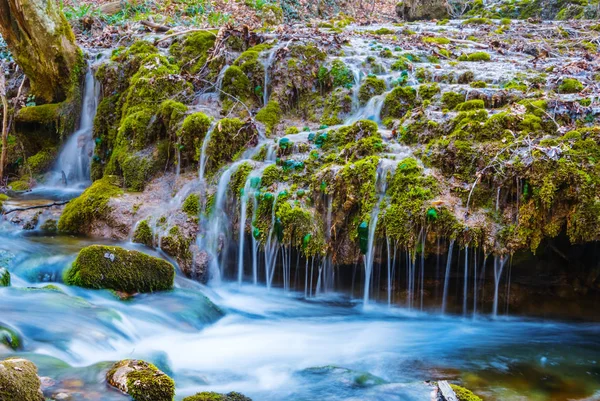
210 396
436 40
20 185
4 277
570 85
191 135
41 161
383 31
45 114
19 381
336 105
229 137
171 113
399 101
191 205
427 92
452 99
476 56
477 21
372 86
271 175
478 84
191 51
119 269
238 179
470 105
143 234
235 83
340 74
141 380
91 205
270 116
464 394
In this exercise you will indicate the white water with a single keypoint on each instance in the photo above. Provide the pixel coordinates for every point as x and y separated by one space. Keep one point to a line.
72 167
447 276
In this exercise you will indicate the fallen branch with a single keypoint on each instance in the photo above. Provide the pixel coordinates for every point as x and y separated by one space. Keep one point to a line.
155 27
469 42
21 209
447 393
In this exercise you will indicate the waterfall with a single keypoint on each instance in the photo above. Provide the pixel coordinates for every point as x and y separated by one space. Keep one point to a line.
203 155
389 272
271 248
422 274
475 282
466 280
498 267
72 167
381 184
447 276
371 111
242 229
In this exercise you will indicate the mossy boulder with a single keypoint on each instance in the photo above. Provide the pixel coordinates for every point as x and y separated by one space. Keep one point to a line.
398 102
143 234
91 205
141 380
570 85
464 394
119 269
211 396
372 86
192 50
230 136
4 277
191 205
191 135
19 381
270 116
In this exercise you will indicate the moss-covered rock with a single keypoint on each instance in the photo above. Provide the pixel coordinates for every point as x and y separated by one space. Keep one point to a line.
91 205
464 394
210 396
398 102
230 136
192 51
143 234
372 86
270 116
4 277
191 205
476 56
10 338
141 380
19 381
570 85
119 269
191 135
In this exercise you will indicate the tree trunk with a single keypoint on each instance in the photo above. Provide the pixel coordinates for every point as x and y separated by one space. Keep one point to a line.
4 122
43 45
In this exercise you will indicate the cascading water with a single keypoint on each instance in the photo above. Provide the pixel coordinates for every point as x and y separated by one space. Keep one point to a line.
447 276
72 167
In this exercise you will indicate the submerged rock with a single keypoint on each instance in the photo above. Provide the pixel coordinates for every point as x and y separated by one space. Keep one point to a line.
210 396
19 381
9 338
141 380
119 269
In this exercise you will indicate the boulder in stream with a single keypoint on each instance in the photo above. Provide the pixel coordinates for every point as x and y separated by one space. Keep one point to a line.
119 269
141 380
415 10
19 381
210 396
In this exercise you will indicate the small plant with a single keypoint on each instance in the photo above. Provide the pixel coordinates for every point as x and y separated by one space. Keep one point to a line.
30 101
570 85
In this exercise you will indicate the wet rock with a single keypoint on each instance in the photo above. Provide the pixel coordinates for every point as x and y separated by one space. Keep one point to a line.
210 396
198 268
19 381
10 338
415 10
119 269
141 380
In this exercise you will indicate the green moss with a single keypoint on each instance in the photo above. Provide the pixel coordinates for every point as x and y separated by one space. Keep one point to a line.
336 105
191 135
239 177
470 105
463 394
49 226
452 99
437 40
171 113
42 160
230 136
91 205
10 338
478 84
270 115
143 234
383 31
136 170
477 21
191 205
402 64
399 101
19 380
235 83
144 381
192 50
372 86
4 277
19 185
341 74
44 114
115 268
210 396
271 175
476 56
427 92
570 85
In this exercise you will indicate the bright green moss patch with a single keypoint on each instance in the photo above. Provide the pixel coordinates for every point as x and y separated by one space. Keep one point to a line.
478 84
399 101
477 21
463 394
44 114
191 51
452 99
570 85
427 92
230 136
92 204
270 115
191 205
143 234
210 396
372 86
41 161
119 269
476 56
4 277
436 40
470 105
141 380
10 338
237 84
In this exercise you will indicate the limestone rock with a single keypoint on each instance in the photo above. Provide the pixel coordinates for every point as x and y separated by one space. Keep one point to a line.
141 380
19 381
